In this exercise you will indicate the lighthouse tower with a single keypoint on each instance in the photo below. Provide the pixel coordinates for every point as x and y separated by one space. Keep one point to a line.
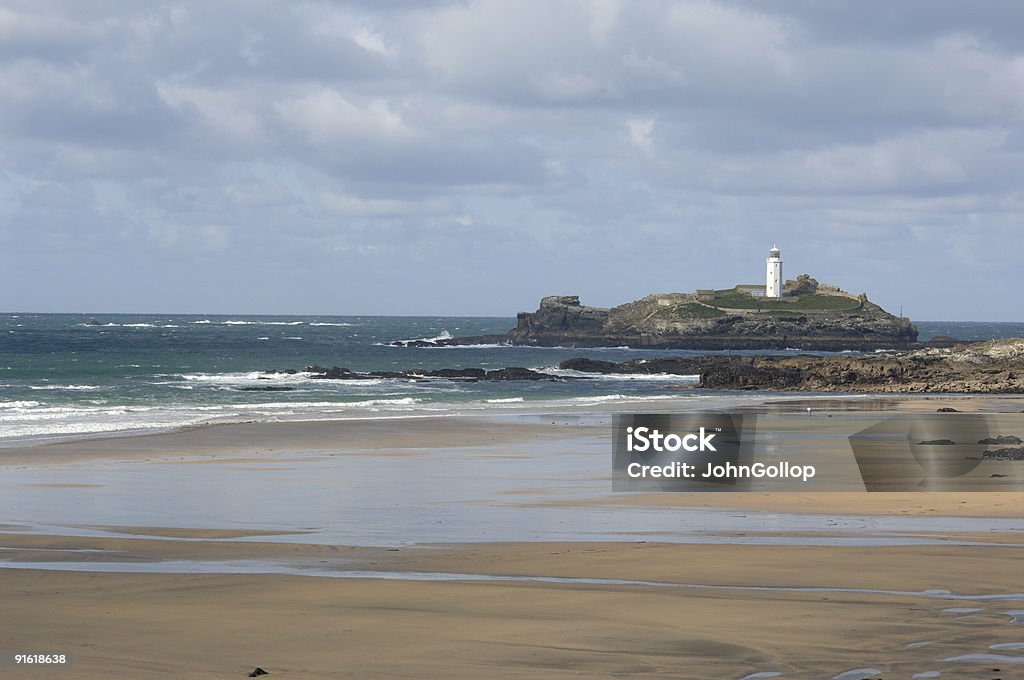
773 287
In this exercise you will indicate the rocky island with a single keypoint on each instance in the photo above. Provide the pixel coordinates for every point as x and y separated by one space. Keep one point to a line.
808 315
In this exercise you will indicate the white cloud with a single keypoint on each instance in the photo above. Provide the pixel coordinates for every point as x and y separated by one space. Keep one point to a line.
326 116
225 114
641 134
371 41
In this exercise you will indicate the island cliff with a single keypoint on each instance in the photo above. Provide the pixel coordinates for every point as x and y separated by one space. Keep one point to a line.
810 316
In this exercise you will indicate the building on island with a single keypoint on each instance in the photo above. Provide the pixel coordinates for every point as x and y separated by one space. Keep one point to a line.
773 287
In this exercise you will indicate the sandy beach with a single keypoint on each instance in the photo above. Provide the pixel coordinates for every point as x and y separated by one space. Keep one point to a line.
492 547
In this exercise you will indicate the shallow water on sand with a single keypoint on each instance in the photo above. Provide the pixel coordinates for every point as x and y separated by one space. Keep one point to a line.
532 491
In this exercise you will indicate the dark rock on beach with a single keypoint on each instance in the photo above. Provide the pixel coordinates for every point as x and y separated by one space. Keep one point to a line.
992 367
517 373
1002 440
671 366
457 373
1005 454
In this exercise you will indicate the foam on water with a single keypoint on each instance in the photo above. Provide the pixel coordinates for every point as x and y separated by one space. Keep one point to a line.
598 399
443 335
858 674
71 388
632 377
18 404
986 658
1008 646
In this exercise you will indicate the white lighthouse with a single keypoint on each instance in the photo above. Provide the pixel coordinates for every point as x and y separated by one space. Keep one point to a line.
773 287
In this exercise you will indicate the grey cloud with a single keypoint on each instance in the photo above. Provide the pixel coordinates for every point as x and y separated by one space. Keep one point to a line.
603 148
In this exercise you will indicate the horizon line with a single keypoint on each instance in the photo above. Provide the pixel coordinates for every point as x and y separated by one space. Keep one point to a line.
449 316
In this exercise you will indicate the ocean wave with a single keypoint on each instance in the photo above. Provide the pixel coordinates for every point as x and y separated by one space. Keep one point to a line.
30 420
650 377
40 412
598 399
258 378
238 378
128 325
23 404
445 335
70 388
510 400
320 406
485 346
239 322
249 322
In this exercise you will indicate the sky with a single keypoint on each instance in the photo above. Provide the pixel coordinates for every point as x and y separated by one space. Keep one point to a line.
467 158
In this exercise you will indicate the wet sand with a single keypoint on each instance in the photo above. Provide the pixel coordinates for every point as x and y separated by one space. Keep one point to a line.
481 547
202 626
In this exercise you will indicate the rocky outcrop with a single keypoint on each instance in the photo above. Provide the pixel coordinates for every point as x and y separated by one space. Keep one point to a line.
996 366
814 318
562 314
1005 454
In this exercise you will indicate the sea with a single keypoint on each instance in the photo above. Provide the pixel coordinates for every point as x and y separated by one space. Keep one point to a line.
71 375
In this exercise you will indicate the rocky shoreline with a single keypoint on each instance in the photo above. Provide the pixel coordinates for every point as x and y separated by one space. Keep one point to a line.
994 367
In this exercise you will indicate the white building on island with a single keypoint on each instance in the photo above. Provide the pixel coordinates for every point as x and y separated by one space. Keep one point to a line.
773 287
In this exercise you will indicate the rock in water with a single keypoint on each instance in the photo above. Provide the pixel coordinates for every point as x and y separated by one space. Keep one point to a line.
1005 454
1002 440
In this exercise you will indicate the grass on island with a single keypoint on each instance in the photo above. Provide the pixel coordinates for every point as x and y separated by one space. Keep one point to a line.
815 302
689 311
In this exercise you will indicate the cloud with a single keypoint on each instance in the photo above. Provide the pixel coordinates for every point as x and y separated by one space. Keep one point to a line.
640 130
325 116
570 145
